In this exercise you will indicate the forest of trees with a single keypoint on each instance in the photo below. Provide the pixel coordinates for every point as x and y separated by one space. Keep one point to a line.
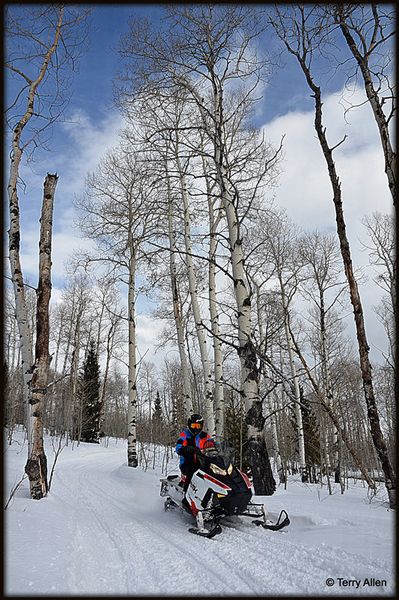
184 211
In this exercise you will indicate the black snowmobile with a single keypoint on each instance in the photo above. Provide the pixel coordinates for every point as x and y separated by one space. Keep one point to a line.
216 490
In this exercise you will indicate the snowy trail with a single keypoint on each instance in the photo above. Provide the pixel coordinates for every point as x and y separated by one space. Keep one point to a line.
103 530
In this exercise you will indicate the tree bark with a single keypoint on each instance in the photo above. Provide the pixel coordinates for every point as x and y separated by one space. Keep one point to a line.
36 466
18 285
213 311
15 229
132 459
255 453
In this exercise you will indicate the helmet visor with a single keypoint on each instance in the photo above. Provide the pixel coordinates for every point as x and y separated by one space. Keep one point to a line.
196 426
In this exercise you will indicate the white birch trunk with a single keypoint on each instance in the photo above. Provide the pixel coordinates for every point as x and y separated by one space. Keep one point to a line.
21 312
294 375
132 460
193 288
273 407
177 313
15 231
249 370
36 466
256 451
213 310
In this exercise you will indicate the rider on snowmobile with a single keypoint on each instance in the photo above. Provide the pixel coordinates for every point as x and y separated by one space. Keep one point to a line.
191 438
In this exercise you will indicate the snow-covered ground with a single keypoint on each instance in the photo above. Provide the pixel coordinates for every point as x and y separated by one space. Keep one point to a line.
103 530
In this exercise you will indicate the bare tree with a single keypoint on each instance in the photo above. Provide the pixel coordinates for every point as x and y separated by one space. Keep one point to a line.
368 31
380 228
42 44
117 215
279 264
296 28
210 54
321 257
36 466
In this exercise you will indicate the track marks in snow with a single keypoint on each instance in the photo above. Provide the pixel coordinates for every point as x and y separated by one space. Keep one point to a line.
143 548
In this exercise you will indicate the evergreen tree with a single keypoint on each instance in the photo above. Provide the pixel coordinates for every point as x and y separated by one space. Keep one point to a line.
90 397
157 419
234 425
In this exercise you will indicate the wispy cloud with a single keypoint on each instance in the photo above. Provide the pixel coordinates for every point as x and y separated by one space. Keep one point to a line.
85 141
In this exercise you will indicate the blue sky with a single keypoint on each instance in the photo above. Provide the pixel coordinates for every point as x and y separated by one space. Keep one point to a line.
287 109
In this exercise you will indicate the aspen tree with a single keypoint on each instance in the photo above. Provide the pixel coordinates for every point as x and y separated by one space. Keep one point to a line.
177 307
118 216
42 44
321 257
18 147
301 39
36 465
368 31
208 52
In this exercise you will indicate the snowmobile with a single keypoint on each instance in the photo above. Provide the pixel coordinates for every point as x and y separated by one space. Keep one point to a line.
217 489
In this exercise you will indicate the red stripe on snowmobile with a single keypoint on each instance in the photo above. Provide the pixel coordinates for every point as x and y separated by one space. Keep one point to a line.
193 507
219 483
246 479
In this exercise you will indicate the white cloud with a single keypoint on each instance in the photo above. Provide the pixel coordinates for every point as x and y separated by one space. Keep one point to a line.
85 142
305 190
62 245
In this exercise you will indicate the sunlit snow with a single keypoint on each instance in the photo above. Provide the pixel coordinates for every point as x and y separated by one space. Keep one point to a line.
103 530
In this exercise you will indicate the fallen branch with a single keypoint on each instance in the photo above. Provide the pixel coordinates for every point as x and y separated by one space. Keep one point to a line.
14 489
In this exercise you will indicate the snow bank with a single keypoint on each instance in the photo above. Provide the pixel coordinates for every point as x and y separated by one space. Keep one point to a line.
103 530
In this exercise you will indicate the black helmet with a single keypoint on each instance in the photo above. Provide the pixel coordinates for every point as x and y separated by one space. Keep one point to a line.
195 424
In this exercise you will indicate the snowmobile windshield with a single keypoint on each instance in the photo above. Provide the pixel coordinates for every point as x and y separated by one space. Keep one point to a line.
218 450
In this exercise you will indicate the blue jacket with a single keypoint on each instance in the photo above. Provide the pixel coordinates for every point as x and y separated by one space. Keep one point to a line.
186 438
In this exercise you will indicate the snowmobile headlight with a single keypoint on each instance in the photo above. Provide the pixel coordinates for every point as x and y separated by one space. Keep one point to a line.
230 469
217 470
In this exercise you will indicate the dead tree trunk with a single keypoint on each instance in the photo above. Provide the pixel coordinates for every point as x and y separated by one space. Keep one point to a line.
36 466
15 231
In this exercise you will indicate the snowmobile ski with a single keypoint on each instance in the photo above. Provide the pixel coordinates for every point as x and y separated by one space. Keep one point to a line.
208 533
281 522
